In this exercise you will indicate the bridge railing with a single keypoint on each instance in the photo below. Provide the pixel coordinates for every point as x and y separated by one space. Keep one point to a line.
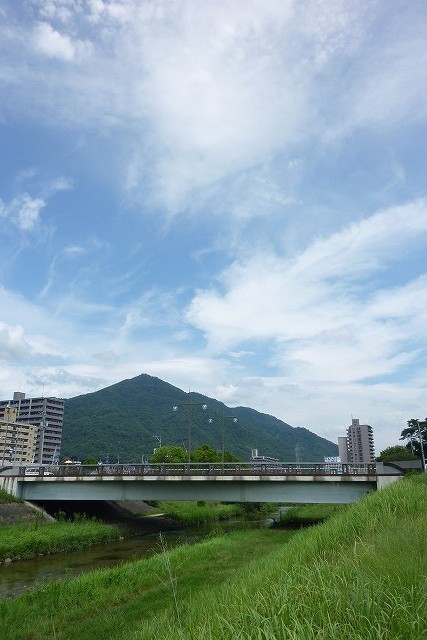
198 468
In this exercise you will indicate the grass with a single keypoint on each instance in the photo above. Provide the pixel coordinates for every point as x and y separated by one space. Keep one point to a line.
23 541
6 497
302 515
362 575
112 603
197 512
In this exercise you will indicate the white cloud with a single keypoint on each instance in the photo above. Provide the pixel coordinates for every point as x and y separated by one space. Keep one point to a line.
49 42
319 309
326 407
214 89
61 10
13 344
53 44
23 211
226 108
55 185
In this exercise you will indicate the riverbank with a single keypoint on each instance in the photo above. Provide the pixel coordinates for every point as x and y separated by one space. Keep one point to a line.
307 514
112 603
27 531
15 512
359 576
362 575
40 537
197 512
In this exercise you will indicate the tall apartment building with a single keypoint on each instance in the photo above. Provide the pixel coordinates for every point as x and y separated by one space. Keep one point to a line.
358 446
47 414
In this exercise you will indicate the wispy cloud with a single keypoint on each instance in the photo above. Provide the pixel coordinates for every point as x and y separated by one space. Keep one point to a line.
23 211
233 213
12 342
52 44
327 310
229 87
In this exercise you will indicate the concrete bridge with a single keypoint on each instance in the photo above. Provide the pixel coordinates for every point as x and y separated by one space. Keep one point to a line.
229 482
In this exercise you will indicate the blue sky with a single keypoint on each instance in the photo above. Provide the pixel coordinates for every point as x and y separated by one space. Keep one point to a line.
228 195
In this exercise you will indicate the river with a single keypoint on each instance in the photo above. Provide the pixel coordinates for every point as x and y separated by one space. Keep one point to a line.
17 577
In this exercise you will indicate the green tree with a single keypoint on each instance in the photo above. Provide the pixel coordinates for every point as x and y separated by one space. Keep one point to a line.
90 460
416 436
230 457
205 453
169 454
394 454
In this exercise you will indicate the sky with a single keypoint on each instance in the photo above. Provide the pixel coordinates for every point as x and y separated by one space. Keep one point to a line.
229 195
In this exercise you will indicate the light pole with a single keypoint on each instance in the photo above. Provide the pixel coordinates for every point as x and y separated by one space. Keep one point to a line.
189 406
159 439
423 459
222 420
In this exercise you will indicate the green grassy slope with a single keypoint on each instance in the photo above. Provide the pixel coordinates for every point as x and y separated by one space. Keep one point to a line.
362 575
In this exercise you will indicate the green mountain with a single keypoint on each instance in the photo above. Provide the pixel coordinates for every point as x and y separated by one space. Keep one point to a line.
126 420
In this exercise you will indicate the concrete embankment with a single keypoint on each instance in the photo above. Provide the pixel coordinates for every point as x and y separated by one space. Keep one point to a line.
119 512
20 512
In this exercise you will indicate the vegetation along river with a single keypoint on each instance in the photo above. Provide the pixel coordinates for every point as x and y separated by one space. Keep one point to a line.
16 577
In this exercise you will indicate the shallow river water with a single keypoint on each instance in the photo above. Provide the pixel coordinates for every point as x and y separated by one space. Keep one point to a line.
17 577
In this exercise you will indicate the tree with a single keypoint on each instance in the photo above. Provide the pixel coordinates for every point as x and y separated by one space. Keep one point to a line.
416 436
205 453
90 460
230 457
394 454
169 454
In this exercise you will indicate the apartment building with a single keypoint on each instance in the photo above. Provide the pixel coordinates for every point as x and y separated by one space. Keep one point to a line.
17 439
47 415
358 446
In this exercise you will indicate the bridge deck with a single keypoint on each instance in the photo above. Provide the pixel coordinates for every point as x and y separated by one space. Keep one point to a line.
242 482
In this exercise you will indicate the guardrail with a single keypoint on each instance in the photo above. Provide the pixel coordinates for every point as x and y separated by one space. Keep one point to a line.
196 468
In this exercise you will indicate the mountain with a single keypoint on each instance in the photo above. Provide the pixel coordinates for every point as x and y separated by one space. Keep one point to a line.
127 419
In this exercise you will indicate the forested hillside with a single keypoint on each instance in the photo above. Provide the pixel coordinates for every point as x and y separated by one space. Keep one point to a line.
125 421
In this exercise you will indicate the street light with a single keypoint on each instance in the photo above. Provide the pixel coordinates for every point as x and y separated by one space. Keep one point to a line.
423 459
159 440
189 406
222 420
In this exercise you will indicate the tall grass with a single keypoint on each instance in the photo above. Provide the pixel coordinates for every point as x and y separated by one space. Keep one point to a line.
111 603
19 541
360 576
309 513
196 512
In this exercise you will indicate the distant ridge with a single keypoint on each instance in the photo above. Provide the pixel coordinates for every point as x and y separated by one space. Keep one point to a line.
125 420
